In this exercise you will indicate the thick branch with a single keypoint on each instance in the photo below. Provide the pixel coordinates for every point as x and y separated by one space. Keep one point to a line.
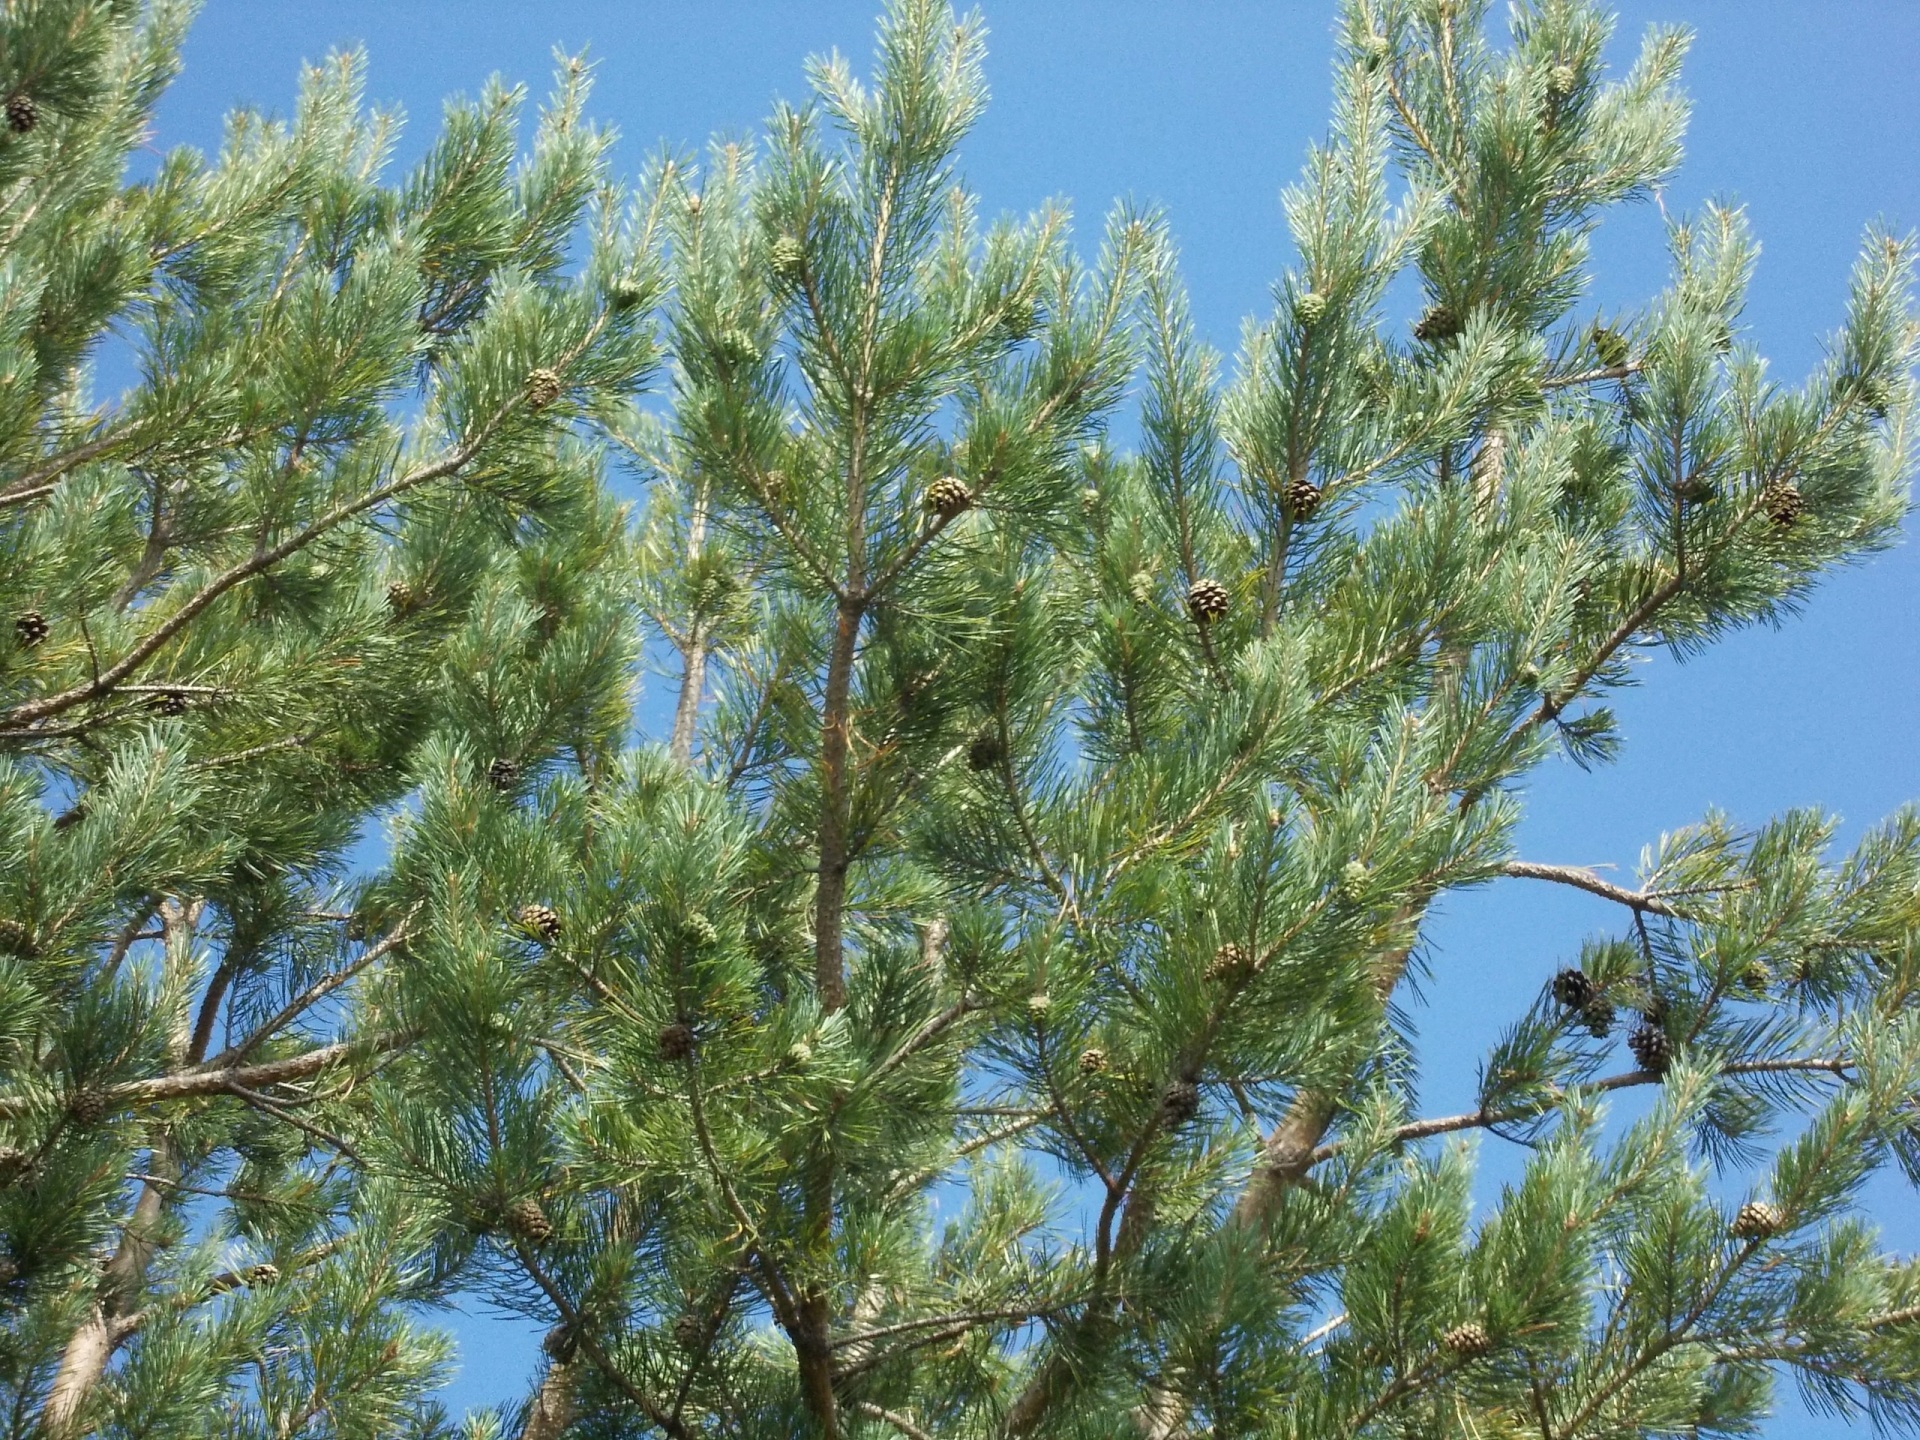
190 1083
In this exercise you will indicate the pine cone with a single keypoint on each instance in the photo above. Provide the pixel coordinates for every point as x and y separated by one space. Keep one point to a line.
1093 1060
1651 1048
529 1222
1469 1341
169 702
689 1333
503 775
1229 963
738 347
15 1163
1181 1102
1303 498
626 294
947 497
559 1343
400 597
22 114
543 388
1207 600
1758 1220
788 257
1597 1015
1572 989
1310 308
676 1041
264 1273
1784 503
30 629
1438 324
984 752
87 1108
540 920
1756 977
1610 346
1560 81
1374 51
16 939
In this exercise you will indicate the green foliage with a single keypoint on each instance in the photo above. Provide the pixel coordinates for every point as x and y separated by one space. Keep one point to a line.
979 1013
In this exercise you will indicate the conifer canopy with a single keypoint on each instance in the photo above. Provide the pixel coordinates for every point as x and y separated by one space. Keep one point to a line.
978 1012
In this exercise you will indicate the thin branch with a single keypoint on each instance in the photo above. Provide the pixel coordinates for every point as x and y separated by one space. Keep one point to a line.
924 1037
266 1106
935 1322
1584 879
1589 377
899 1422
263 559
312 996
1551 706
1483 1119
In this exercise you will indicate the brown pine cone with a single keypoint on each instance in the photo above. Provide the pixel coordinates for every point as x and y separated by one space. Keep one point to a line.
543 388
503 774
1758 1220
1229 963
1651 1048
1181 1102
22 114
948 497
984 752
1093 1060
529 1222
15 1164
1438 324
1784 503
30 629
1303 498
1469 1341
87 1108
1572 989
1207 600
676 1041
540 920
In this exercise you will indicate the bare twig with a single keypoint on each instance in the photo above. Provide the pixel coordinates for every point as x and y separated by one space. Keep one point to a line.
899 1422
1583 879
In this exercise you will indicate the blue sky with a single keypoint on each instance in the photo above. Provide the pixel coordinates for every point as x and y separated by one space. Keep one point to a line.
1804 112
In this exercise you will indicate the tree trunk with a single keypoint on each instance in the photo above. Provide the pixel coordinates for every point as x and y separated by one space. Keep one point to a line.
113 1317
552 1408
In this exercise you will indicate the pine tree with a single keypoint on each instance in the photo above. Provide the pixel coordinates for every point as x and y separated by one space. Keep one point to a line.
331 541
1041 823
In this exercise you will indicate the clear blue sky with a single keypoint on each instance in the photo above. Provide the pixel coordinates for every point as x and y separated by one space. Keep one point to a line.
1806 112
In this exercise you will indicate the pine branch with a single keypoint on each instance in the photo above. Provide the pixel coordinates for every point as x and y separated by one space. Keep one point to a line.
899 1422
188 1084
264 559
1584 879
312 996
1483 1119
